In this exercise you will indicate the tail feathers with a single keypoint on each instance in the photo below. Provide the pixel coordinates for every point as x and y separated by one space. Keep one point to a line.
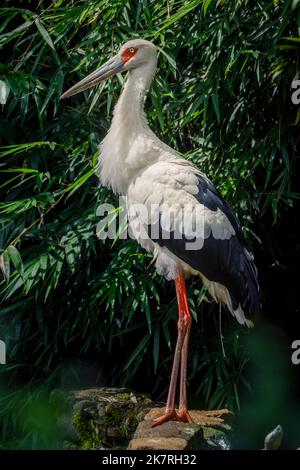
242 293
221 295
248 296
240 316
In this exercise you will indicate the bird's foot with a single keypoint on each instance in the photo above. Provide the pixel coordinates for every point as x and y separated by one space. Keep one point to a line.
172 415
184 416
210 417
201 417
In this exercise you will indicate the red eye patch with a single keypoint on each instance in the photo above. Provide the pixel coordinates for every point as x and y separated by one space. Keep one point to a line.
128 54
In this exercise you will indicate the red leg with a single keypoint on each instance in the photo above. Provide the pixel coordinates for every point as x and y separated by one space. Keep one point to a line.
183 414
184 324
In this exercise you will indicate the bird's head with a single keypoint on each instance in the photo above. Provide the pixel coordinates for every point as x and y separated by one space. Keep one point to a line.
132 55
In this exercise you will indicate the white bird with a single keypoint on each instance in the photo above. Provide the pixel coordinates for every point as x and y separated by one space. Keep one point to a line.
175 212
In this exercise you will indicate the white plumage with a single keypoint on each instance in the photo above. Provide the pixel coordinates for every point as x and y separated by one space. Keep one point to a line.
192 230
134 162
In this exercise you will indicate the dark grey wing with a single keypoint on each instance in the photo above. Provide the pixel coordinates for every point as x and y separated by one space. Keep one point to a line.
225 261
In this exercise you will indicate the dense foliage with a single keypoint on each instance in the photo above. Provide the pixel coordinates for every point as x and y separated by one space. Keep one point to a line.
222 96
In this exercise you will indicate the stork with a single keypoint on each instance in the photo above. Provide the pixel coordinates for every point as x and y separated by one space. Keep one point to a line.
135 163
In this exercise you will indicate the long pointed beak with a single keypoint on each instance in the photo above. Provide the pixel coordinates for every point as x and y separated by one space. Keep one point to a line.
111 67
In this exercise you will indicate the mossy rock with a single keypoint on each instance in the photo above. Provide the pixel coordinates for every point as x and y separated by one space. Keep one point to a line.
100 417
108 418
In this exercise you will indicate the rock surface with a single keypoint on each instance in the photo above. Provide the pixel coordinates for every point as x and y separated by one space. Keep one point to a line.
174 435
119 418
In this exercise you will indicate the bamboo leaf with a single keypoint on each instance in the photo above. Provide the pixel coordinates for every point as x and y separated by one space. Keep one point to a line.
44 33
5 264
215 101
206 5
79 182
16 259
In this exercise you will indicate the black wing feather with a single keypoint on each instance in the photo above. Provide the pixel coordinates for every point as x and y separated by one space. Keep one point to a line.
224 261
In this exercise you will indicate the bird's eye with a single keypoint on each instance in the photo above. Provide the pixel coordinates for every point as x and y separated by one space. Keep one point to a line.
128 54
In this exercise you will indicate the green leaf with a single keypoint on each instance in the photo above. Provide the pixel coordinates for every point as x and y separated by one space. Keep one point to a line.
169 58
20 148
215 100
206 5
79 182
19 170
44 33
5 265
16 259
291 39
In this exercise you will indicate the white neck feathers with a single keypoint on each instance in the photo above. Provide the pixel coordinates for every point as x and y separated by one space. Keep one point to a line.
126 148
